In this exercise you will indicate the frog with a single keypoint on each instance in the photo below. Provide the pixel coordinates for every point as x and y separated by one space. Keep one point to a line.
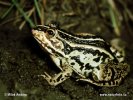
93 59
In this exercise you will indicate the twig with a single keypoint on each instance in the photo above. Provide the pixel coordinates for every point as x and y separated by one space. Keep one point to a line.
5 3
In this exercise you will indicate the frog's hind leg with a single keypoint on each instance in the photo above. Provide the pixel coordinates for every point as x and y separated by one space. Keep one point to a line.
59 78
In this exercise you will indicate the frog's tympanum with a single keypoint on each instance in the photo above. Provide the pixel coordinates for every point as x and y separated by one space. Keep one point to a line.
89 56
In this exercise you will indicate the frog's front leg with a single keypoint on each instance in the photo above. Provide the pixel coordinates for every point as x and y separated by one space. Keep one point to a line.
59 78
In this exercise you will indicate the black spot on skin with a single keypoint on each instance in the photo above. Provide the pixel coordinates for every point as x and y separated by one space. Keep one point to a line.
77 59
60 62
89 76
86 74
115 52
113 74
88 66
81 67
62 78
50 80
109 82
72 63
116 82
67 48
59 78
119 56
113 82
96 59
103 83
66 76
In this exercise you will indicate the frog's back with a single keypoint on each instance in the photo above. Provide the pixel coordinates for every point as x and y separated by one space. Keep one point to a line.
91 43
84 39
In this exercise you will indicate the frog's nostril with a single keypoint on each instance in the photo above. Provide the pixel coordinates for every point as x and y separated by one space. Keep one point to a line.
33 32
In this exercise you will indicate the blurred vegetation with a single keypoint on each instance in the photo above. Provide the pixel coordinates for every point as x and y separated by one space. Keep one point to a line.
69 12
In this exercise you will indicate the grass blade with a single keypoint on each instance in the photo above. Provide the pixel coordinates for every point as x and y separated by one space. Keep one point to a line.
23 13
37 8
7 12
114 16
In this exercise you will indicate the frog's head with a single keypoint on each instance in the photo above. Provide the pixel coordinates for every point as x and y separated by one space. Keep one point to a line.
49 39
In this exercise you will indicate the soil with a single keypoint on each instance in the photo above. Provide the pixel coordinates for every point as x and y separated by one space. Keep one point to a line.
22 60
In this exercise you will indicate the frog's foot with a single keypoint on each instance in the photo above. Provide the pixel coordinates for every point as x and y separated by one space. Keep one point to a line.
59 78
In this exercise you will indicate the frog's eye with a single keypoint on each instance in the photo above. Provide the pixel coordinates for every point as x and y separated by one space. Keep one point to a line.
50 32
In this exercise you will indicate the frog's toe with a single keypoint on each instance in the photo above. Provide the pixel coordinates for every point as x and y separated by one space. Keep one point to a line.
45 75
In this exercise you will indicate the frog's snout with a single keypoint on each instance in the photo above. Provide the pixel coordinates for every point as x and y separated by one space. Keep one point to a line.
33 31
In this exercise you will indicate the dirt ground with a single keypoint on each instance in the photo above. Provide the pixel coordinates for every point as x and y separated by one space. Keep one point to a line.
22 60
